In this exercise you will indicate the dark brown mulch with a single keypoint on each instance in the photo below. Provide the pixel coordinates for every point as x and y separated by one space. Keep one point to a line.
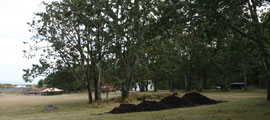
198 99
124 108
176 102
150 106
169 102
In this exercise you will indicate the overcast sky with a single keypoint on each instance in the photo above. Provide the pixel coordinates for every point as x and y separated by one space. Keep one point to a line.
13 31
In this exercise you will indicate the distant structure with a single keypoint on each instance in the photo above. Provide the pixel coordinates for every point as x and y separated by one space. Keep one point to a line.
21 86
7 86
47 91
150 86
10 88
29 89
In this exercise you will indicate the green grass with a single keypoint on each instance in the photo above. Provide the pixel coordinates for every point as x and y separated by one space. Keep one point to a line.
241 105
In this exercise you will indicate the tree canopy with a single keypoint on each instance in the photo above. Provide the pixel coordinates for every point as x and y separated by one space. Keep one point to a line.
188 44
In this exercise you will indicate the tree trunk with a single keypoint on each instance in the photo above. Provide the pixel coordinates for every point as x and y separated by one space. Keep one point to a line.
265 63
186 82
200 84
146 86
171 85
124 92
245 77
89 92
135 88
142 87
259 38
107 93
96 88
155 86
226 85
94 78
126 87
99 83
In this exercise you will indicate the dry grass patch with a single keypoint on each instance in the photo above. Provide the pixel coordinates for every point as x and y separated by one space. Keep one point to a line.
250 105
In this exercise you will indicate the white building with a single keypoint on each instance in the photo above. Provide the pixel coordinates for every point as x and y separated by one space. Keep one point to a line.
150 86
21 86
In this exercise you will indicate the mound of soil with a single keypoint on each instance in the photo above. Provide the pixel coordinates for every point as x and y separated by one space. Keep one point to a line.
124 108
198 99
169 102
150 106
175 102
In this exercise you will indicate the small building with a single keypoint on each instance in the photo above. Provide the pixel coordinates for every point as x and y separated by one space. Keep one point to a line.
51 91
150 86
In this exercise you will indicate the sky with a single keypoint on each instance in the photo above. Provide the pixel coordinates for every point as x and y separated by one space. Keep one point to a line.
13 31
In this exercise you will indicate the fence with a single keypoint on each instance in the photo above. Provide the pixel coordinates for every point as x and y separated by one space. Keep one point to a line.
14 90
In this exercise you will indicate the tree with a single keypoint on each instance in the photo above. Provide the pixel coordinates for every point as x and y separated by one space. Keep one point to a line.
41 83
86 33
64 79
67 28
128 27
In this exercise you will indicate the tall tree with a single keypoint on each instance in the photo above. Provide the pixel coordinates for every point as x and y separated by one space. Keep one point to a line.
74 36
129 21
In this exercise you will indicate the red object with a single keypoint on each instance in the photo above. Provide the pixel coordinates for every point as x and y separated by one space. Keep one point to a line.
110 88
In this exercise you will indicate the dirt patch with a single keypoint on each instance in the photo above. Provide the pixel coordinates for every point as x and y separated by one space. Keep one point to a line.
169 102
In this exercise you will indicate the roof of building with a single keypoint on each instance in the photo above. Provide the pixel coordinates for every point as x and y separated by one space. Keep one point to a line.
52 90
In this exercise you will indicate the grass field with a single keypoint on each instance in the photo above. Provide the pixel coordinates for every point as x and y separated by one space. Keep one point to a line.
241 105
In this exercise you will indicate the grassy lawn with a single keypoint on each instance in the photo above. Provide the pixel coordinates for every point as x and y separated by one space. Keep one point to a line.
241 105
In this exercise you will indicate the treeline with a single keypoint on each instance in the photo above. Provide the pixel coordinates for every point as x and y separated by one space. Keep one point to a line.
64 80
191 44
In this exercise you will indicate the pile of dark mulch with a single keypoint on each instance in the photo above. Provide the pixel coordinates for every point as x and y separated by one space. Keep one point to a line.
124 108
150 106
169 102
198 99
176 102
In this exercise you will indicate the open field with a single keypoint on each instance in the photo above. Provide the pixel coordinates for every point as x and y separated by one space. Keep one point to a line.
241 105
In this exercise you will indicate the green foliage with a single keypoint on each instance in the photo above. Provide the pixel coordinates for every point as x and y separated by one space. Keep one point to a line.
41 83
187 45
64 80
